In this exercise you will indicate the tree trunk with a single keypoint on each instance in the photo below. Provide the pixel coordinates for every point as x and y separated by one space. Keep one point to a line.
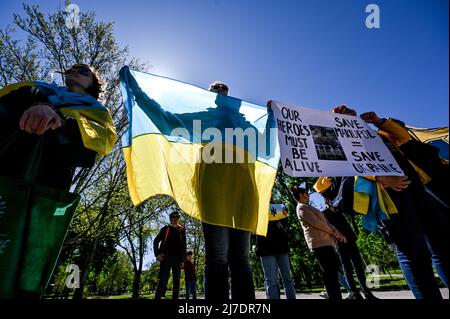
136 284
78 295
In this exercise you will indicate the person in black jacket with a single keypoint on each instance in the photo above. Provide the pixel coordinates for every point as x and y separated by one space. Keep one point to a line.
415 225
169 247
273 251
429 190
26 110
349 252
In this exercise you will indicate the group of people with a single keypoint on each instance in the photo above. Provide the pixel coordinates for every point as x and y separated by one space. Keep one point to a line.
419 231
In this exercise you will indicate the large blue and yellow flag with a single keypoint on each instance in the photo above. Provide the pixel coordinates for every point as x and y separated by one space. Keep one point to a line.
217 156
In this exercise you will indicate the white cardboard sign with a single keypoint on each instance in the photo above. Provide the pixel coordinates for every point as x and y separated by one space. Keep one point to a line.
318 143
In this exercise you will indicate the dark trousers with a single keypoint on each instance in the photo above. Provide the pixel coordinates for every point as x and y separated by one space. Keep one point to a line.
352 262
408 232
227 252
329 264
168 263
191 288
437 232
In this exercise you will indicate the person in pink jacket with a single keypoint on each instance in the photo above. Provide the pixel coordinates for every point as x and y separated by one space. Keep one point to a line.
321 238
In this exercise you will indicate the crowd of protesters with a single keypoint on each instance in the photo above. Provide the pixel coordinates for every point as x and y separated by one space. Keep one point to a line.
419 231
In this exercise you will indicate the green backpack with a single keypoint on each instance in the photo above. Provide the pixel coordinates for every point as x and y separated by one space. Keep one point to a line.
34 220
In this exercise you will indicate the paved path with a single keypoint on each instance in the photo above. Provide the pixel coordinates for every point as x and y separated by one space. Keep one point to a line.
399 294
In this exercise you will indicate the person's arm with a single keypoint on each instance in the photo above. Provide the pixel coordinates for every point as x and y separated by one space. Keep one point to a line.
400 135
372 118
36 115
183 241
397 183
39 118
270 124
164 120
21 98
182 233
396 133
157 241
307 215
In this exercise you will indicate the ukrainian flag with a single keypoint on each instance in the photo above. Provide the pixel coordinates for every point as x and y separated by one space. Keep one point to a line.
178 143
437 137
93 118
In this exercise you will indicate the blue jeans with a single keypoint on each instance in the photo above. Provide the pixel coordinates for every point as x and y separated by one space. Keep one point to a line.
418 273
441 267
271 264
343 280
227 252
191 288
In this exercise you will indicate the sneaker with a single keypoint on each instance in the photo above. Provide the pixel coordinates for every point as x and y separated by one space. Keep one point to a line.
353 295
324 294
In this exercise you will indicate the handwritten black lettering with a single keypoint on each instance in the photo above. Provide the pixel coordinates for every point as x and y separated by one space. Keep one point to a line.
291 115
299 154
367 156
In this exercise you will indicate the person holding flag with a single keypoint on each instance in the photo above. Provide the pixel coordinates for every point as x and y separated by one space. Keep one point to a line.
229 194
74 124
46 132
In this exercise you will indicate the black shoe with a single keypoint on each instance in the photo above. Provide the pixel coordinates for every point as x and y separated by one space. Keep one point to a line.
369 295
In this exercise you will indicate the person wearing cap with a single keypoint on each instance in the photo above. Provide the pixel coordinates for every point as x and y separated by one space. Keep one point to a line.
190 277
333 190
321 238
169 247
412 227
273 250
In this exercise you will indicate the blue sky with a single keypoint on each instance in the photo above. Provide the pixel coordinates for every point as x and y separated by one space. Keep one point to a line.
313 53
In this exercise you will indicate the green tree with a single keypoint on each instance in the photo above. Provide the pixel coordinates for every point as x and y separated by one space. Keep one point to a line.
115 276
375 250
137 233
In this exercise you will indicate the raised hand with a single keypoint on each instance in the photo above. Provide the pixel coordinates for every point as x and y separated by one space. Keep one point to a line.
371 117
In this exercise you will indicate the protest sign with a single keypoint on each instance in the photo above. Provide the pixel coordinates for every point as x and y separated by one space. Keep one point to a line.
318 143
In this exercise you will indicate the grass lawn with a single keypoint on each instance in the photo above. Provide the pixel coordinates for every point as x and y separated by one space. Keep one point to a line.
386 283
